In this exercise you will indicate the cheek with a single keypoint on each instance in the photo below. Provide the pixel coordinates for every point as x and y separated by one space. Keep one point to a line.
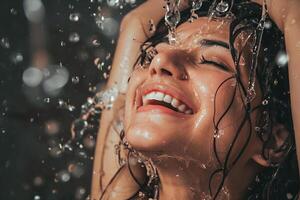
221 106
137 77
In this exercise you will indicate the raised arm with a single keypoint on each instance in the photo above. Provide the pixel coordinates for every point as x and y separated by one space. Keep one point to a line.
286 15
134 30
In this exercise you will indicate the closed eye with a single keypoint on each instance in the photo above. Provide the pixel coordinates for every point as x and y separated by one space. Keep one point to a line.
211 62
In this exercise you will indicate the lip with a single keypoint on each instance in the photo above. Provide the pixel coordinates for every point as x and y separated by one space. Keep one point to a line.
169 89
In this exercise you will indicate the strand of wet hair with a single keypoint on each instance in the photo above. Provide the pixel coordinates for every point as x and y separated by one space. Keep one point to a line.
224 168
214 115
237 60
143 187
110 182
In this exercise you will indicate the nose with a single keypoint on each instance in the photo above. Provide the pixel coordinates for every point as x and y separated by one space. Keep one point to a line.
169 62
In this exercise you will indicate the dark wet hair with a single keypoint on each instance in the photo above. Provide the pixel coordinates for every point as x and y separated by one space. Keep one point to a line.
281 180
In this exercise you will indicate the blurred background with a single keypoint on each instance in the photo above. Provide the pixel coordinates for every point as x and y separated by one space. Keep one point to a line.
54 54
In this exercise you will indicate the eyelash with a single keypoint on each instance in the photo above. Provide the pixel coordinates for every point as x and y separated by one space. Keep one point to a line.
147 56
219 65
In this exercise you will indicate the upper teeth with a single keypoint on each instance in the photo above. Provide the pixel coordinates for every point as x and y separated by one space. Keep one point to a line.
159 96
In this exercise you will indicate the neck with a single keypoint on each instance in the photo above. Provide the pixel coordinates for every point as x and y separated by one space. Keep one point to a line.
182 180
190 181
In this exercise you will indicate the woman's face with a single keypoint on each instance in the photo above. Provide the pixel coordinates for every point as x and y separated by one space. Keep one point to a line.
173 103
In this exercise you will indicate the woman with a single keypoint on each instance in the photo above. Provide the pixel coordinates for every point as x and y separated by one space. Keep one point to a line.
202 118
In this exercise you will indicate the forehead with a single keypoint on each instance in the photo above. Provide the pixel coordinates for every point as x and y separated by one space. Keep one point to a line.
204 28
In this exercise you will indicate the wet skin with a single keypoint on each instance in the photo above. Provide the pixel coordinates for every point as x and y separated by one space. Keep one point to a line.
192 72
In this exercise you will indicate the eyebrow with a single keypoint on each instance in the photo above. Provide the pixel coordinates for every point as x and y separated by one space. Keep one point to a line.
209 43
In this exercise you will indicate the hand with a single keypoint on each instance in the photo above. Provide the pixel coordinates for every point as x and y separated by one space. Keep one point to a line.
283 12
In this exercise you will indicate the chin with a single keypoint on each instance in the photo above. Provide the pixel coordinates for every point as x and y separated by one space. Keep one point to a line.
150 139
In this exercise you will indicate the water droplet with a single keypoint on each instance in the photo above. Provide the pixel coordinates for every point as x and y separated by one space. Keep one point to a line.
55 151
32 76
99 20
96 61
251 94
257 128
152 27
172 17
132 2
51 127
76 170
74 37
16 58
71 108
36 197
293 21
75 79
222 6
218 133
63 176
4 42
80 192
282 59
105 75
96 43
268 24
63 104
89 142
62 43
196 4
70 6
13 11
79 127
47 100
109 27
56 77
100 65
74 17
113 3
265 102
38 181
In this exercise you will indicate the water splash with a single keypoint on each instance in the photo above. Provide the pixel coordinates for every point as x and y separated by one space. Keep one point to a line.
256 48
93 108
65 105
172 18
196 5
222 7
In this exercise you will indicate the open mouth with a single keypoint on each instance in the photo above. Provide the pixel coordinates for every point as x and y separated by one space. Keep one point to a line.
162 99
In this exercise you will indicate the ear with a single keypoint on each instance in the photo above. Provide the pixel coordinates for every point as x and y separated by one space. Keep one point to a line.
276 147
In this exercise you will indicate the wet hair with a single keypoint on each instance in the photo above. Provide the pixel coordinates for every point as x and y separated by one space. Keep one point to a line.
280 181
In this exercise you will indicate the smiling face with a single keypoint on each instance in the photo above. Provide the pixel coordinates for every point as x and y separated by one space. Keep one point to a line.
173 104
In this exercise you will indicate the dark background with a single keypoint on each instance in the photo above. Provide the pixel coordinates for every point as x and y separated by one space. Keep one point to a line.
72 55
